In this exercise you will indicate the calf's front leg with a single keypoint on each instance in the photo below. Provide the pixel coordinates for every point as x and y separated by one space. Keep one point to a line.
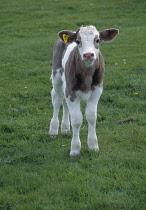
91 116
76 122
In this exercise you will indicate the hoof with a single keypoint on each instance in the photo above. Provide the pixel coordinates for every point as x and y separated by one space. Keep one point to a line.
53 136
94 148
53 133
65 131
74 153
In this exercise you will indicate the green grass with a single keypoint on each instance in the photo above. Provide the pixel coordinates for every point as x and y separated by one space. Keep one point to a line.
36 171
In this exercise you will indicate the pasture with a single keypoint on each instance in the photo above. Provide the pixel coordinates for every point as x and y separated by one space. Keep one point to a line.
36 171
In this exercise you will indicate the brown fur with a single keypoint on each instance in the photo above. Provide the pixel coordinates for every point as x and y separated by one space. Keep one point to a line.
58 50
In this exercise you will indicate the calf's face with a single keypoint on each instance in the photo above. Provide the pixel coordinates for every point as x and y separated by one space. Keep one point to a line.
88 39
88 44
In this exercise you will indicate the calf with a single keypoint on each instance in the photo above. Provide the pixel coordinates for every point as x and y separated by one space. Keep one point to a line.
78 70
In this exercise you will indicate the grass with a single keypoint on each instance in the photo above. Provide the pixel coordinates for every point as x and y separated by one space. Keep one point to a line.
36 170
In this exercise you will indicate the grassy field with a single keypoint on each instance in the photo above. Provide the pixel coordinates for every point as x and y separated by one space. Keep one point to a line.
36 172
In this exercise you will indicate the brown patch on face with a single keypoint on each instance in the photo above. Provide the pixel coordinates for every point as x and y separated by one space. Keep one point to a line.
78 41
96 42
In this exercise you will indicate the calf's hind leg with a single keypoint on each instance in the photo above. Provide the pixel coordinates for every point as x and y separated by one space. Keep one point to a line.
57 97
65 125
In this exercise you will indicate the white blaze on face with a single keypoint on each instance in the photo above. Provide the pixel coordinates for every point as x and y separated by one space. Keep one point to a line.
88 49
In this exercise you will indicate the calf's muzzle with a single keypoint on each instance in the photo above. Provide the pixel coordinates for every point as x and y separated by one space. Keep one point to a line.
88 56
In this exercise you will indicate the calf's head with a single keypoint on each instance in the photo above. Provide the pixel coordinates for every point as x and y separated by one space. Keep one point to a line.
88 40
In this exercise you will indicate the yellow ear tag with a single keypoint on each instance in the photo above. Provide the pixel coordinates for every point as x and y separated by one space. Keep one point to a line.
65 37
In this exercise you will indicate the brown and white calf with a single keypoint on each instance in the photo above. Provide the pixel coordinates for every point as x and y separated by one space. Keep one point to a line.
78 70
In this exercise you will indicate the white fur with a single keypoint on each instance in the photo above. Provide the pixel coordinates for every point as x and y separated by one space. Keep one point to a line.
67 53
83 96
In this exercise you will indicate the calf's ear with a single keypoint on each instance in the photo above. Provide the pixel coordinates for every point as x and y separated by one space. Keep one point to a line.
108 34
67 36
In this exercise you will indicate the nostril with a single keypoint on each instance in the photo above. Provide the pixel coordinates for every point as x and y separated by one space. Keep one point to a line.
88 55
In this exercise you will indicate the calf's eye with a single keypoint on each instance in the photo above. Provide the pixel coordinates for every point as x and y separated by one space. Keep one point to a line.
77 41
97 41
